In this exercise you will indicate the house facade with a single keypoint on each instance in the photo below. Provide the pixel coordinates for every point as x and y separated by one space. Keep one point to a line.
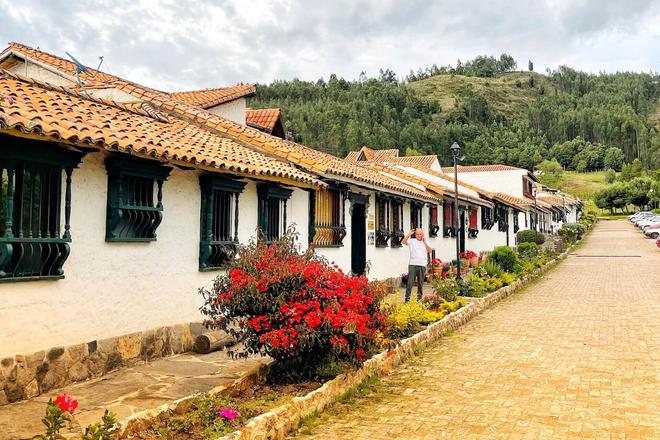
118 202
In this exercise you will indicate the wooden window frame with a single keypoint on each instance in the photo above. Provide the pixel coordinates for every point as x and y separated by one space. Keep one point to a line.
328 217
448 224
32 246
383 215
416 212
487 217
473 225
516 223
434 226
397 233
502 217
133 213
271 196
218 244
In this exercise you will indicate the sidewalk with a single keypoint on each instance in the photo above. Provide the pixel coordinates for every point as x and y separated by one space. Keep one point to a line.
129 391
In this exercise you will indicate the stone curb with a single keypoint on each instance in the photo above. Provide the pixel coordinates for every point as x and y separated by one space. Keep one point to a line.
278 422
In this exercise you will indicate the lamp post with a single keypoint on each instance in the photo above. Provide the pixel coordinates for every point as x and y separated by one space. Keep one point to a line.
536 211
455 151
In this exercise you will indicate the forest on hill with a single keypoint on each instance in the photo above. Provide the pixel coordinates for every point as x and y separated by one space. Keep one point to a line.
497 114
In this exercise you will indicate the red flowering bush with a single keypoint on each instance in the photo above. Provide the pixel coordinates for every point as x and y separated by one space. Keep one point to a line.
468 254
294 307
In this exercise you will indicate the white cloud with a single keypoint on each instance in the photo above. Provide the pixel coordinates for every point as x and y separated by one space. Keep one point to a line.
183 45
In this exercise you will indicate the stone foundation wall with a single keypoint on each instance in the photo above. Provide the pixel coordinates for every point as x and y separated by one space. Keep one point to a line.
28 375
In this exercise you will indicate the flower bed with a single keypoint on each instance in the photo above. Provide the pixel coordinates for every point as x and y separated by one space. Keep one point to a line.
271 410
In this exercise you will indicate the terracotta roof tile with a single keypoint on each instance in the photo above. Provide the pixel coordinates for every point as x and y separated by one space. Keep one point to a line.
59 114
262 118
480 168
390 156
207 98
253 140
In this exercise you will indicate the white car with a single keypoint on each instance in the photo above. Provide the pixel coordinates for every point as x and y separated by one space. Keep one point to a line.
648 222
652 231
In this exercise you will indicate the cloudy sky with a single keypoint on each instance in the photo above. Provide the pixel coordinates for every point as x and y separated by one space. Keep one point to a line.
178 45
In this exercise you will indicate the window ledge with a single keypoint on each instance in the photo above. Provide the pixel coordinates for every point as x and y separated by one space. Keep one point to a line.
33 278
319 246
130 240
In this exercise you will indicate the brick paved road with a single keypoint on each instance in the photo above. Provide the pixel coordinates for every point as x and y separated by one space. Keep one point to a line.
576 355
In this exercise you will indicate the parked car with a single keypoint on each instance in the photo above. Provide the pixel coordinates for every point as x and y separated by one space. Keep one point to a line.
652 231
648 221
636 215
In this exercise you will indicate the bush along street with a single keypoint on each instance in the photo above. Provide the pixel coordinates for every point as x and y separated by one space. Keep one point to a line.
316 322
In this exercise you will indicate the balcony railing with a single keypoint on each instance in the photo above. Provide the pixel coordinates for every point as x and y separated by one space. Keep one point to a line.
26 259
216 254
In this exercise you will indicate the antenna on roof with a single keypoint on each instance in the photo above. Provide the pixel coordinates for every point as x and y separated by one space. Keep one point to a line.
80 68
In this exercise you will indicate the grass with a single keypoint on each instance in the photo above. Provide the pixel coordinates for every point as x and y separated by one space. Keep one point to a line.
501 93
583 185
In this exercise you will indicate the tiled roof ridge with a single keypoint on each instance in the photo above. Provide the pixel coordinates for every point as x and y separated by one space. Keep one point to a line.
313 160
22 116
492 167
408 176
451 179
243 90
82 95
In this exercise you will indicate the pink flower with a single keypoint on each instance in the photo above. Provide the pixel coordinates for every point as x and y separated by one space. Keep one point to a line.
66 403
227 413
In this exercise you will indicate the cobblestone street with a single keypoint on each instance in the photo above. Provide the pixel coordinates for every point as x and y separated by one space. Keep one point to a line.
575 355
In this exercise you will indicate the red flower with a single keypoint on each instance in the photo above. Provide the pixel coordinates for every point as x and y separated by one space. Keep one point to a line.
66 403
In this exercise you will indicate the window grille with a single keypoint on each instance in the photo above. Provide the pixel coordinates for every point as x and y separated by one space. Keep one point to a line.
272 211
433 221
327 217
473 228
449 220
218 220
134 212
416 214
487 218
383 216
397 233
32 245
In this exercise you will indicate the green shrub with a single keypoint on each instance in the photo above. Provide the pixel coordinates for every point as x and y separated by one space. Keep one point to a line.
447 288
572 232
405 319
506 258
529 236
492 269
507 278
474 286
528 250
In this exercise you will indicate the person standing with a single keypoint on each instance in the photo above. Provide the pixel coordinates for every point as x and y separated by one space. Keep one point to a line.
419 248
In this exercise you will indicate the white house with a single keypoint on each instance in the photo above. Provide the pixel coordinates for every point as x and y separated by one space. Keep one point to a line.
119 201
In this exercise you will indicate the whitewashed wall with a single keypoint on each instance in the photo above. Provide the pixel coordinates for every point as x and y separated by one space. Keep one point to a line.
111 289
233 110
509 182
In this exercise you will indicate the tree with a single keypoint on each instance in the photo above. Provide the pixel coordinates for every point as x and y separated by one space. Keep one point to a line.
552 173
632 170
613 159
530 66
612 197
639 191
610 176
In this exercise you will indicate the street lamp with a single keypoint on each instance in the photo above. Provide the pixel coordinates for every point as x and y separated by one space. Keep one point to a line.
455 151
536 212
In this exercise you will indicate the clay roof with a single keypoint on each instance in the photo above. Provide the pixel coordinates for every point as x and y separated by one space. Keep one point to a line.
390 156
263 118
56 113
207 98
480 168
254 141
556 200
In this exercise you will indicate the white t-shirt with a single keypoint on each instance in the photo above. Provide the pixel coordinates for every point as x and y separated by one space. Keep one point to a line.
417 252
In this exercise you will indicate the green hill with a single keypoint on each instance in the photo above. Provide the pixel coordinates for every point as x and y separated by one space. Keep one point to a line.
508 94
